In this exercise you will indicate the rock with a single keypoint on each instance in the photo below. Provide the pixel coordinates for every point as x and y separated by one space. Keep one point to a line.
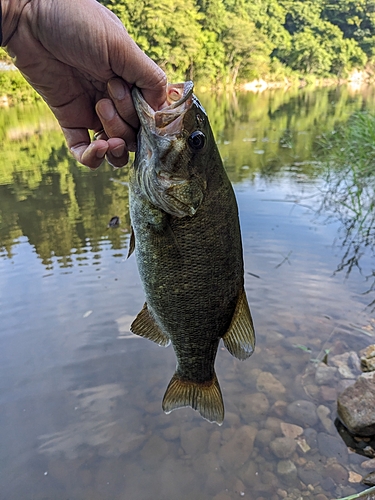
332 446
279 408
328 484
348 364
264 437
237 450
368 464
273 424
354 477
194 441
269 477
239 487
283 447
267 383
323 413
368 359
325 374
250 474
303 445
214 441
328 393
205 464
309 476
287 471
222 496
155 449
369 479
291 430
337 472
311 437
302 412
253 406
368 365
232 419
171 433
215 482
355 406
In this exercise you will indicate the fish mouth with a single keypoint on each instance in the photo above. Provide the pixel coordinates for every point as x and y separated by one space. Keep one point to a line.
169 120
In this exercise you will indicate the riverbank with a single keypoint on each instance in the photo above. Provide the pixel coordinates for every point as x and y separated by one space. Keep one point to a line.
15 90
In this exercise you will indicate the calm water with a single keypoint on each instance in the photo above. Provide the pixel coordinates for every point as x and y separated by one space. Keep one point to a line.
80 396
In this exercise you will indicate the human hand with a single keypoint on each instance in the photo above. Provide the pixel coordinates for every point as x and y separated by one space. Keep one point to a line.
68 51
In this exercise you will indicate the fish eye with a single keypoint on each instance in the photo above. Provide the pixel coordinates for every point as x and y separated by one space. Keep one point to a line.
197 140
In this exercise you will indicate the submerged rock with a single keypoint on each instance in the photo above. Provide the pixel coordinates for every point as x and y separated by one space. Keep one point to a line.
302 412
355 406
283 447
287 471
324 374
267 383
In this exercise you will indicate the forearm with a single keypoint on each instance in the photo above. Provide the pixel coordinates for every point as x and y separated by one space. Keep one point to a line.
11 12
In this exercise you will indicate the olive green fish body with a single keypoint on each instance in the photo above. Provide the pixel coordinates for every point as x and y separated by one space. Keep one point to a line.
190 261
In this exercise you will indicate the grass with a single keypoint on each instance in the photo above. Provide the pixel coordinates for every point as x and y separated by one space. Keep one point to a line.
348 157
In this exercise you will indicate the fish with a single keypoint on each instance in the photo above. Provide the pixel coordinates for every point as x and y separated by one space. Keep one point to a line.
187 242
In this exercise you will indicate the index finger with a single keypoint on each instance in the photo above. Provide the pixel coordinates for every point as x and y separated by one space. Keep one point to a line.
136 68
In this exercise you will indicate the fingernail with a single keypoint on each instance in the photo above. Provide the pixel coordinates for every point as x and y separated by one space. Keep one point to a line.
106 109
101 153
116 89
118 151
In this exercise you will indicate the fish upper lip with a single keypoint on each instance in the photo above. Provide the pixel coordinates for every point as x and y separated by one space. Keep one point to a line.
148 117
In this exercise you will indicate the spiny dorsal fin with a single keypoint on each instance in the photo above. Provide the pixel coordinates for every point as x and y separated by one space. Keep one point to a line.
205 398
240 337
131 243
144 325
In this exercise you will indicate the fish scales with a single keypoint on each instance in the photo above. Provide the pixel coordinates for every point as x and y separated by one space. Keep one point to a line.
190 261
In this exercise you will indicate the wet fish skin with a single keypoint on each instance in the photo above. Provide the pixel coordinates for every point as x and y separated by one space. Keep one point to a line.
188 248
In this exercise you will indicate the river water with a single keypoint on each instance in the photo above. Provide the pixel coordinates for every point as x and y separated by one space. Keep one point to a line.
80 396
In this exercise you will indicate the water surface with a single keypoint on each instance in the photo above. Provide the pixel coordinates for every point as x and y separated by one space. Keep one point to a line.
80 396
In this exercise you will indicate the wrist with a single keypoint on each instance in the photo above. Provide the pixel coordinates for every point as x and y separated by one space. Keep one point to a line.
11 12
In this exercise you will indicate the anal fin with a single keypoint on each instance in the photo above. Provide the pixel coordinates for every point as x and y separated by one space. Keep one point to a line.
205 397
144 325
240 337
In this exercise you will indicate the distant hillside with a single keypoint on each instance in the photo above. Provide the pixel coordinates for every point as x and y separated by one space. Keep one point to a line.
232 40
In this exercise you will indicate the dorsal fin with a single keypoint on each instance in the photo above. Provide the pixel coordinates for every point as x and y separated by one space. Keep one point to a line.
240 337
144 325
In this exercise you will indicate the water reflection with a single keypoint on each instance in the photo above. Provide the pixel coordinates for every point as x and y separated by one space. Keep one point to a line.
80 413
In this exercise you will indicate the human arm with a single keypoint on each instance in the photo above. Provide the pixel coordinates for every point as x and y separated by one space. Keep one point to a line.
68 51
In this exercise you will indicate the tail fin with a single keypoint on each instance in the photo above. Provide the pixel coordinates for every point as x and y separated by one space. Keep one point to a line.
205 398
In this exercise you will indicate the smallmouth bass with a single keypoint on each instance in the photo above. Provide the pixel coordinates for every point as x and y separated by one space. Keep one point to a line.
187 242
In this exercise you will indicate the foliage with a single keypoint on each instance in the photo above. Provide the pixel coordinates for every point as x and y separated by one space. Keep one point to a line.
16 89
230 40
223 42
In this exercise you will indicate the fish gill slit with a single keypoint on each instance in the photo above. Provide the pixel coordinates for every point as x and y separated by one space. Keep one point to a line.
163 157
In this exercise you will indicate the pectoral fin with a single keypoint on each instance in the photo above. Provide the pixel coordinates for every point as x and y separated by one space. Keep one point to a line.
144 325
240 337
131 243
